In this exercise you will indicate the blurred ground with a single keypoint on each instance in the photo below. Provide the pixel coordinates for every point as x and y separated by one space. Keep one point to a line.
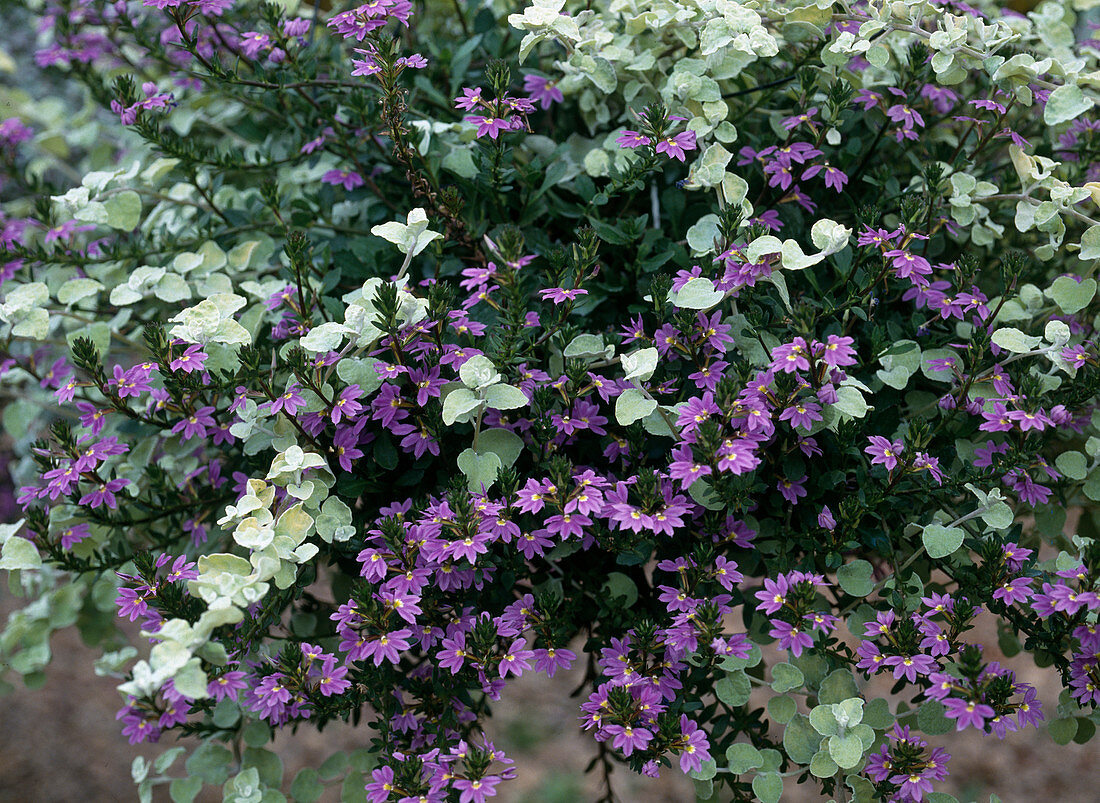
61 743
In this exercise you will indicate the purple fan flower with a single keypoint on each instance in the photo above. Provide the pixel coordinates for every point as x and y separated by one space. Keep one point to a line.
348 179
806 117
884 452
542 90
632 139
289 403
675 146
693 746
192 359
628 738
195 424
104 494
346 405
791 637
802 414
560 295
489 125
967 713
792 490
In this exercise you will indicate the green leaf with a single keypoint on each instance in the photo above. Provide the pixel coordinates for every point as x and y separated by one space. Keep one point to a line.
17 417
19 553
877 714
480 469
139 768
226 713
632 406
863 791
855 578
822 764
850 402
595 164
782 709
772 759
865 733
76 289
505 397
171 288
823 720
34 325
711 167
1015 341
940 541
307 786
768 787
243 254
846 750
1073 464
1091 489
1065 103
458 404
191 681
504 443
619 586
184 790
267 764
640 365
460 161
999 516
781 286
123 210
1071 296
837 687
324 338
794 258
256 733
1063 730
800 739
353 789
703 493
849 712
585 346
210 762
814 667
359 372
930 719
601 72
786 677
743 757
478 372
697 293
899 363
410 237
1090 247
704 790
334 766
734 689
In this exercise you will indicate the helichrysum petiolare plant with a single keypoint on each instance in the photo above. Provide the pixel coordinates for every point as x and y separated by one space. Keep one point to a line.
371 357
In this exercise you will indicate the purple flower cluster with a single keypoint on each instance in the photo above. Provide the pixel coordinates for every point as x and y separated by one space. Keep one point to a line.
780 163
791 603
675 146
153 100
502 114
904 768
361 20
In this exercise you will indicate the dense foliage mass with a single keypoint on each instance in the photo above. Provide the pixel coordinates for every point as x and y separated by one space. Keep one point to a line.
370 358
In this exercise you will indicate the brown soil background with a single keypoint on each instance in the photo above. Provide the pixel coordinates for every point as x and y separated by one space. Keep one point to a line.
61 743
